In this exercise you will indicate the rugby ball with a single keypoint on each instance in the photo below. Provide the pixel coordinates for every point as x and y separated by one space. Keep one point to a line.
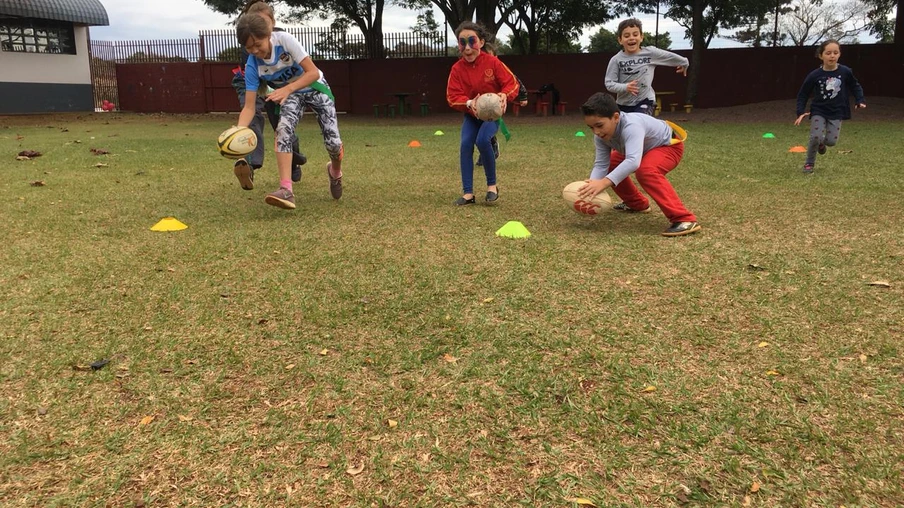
599 204
236 142
489 107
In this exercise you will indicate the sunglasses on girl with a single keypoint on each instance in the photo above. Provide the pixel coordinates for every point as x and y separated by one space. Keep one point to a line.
470 41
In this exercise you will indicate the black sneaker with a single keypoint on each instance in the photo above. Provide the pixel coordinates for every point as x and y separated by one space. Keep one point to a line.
462 201
821 149
244 173
622 207
681 229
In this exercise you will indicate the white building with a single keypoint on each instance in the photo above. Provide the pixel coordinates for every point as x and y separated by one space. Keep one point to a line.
44 57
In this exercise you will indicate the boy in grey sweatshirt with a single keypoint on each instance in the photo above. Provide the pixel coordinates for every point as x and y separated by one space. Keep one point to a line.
630 71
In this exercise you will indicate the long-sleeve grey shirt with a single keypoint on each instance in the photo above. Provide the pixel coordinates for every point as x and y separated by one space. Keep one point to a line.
624 68
635 135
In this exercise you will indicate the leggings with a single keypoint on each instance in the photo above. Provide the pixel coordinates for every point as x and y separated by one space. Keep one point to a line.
476 132
822 132
290 114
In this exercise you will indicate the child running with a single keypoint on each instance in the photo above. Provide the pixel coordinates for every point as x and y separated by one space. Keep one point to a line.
636 143
244 168
833 83
630 71
474 74
279 60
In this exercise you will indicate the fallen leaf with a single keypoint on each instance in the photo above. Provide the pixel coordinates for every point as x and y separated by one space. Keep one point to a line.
323 465
863 358
100 165
879 284
449 358
845 151
755 267
99 151
747 501
488 300
290 366
29 153
392 424
355 470
22 158
146 420
762 344
183 418
583 501
649 389
38 183
755 487
324 352
772 373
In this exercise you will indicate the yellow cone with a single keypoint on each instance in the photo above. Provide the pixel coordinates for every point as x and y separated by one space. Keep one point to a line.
513 229
169 224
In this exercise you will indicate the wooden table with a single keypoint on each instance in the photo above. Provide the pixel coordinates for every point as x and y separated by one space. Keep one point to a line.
659 101
401 96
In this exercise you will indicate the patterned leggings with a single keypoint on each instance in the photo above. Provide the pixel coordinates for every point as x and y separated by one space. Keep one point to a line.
291 112
822 132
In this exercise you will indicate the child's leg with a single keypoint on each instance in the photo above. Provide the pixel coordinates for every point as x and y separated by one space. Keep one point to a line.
485 146
289 115
626 190
817 137
298 158
255 158
469 129
325 109
833 130
651 176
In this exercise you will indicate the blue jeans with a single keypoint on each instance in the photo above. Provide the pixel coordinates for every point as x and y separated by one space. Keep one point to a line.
647 106
476 132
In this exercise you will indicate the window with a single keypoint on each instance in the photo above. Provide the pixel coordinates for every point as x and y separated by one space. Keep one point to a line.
24 35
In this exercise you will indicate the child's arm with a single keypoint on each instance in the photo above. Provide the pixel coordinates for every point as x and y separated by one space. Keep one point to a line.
247 113
663 57
856 89
597 182
311 74
633 136
611 81
803 95
456 95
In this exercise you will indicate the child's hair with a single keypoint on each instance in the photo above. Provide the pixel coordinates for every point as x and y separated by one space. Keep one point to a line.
822 47
250 25
489 40
600 104
258 7
629 23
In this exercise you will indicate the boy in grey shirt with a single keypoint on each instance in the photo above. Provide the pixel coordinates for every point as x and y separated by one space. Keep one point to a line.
630 71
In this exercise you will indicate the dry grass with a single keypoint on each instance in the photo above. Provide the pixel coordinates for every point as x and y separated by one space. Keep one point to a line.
272 349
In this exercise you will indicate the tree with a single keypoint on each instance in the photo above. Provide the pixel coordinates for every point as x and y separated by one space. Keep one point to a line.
233 54
428 28
556 21
812 21
458 11
882 25
366 15
606 41
703 19
547 43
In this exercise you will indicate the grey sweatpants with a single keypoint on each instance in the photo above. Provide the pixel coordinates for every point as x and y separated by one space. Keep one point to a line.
291 111
822 132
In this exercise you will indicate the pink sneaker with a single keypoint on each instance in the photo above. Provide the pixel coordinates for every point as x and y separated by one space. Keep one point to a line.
281 198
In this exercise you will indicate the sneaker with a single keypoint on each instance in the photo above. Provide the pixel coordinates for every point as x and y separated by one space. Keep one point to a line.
622 207
296 173
681 229
335 183
244 173
462 201
495 144
821 149
808 168
281 198
492 196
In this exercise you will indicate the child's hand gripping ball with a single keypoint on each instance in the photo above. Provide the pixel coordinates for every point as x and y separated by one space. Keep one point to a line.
236 142
600 203
489 107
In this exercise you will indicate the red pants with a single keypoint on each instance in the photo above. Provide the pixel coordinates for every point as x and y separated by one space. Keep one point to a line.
651 176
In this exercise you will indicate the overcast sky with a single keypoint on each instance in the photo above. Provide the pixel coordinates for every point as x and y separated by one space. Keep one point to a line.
178 19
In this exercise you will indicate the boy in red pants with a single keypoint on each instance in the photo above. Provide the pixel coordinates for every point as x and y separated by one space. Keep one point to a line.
636 143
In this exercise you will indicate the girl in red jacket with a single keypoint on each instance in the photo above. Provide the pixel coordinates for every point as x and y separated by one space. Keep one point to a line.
474 74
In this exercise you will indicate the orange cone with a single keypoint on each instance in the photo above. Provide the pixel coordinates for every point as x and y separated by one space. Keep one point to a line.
414 143
798 149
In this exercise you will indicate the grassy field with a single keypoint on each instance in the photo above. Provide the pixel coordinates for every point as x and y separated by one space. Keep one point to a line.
388 349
